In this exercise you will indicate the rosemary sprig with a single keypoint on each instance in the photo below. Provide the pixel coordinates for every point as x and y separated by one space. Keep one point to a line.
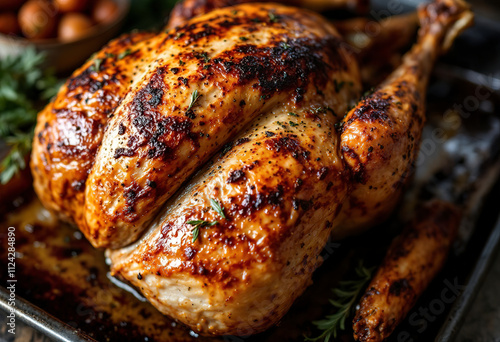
194 97
217 207
346 298
199 224
20 146
25 88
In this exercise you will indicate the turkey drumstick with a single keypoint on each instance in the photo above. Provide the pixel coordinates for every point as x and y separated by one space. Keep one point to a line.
380 136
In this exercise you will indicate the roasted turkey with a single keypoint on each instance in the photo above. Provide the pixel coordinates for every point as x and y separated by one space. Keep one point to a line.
215 159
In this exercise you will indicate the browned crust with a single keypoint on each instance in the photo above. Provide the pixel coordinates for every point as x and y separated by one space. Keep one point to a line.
412 261
187 9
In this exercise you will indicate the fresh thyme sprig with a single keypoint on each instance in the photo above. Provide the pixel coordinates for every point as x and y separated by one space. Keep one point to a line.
346 298
25 88
202 223
194 97
217 207
199 224
124 54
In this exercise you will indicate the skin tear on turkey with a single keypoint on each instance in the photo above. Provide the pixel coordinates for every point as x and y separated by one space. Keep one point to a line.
252 99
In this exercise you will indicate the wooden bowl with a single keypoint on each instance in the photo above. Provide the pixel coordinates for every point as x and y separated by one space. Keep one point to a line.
66 56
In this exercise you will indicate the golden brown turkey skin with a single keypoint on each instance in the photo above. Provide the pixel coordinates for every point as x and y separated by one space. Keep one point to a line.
380 139
210 79
168 105
70 128
241 275
281 185
228 56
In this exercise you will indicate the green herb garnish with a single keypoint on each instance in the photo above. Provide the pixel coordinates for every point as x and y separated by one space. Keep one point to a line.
273 17
293 124
124 54
281 124
292 114
25 88
194 97
199 224
346 298
205 57
217 207
97 64
20 146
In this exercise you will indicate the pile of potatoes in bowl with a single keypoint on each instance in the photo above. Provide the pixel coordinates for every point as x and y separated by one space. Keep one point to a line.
66 20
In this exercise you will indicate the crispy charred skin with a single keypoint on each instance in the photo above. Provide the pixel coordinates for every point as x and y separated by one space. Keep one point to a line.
281 185
113 211
161 131
70 128
412 261
188 9
377 44
241 275
380 136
